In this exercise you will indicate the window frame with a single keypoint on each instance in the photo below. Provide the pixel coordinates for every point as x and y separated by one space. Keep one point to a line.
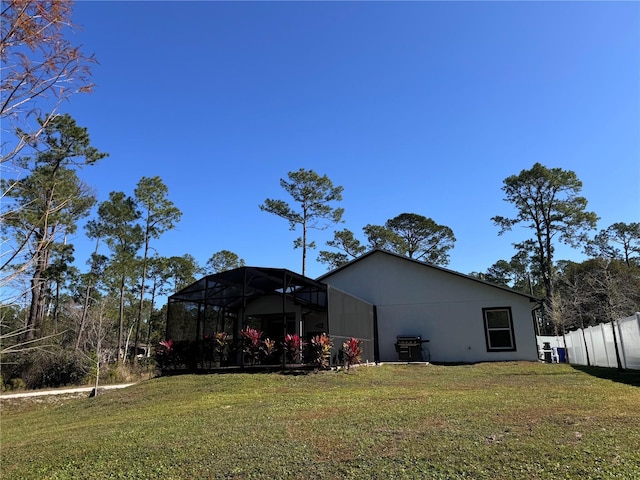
510 329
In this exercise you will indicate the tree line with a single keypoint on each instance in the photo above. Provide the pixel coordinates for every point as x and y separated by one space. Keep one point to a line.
59 324
547 202
54 306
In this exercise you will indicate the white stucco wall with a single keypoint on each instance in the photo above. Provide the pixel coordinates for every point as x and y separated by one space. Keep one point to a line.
415 299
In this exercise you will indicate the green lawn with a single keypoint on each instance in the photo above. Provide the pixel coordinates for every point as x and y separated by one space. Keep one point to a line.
485 421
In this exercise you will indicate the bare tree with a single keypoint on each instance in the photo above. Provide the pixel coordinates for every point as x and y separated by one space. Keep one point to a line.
40 68
98 332
595 291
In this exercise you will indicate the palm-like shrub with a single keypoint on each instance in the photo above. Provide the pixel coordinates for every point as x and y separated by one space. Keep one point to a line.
251 343
165 354
268 347
220 341
293 346
321 347
351 349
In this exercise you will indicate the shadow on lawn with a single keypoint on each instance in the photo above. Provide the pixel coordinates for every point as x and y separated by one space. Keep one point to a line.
629 377
297 369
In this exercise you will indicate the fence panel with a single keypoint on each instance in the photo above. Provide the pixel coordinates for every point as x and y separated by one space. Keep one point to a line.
597 343
629 335
597 346
576 352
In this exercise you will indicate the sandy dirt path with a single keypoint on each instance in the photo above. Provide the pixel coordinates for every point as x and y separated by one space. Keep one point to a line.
61 391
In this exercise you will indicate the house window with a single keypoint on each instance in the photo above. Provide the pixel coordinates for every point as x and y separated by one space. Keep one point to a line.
498 329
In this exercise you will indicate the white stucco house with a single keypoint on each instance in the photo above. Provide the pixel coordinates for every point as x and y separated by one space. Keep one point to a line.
464 318
376 298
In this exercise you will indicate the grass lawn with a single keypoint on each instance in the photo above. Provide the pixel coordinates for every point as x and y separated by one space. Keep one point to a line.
485 421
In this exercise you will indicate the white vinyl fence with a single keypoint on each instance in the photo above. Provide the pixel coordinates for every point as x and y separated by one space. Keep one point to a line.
598 342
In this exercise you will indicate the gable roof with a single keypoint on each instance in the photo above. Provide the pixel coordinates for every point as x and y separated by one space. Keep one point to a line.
426 265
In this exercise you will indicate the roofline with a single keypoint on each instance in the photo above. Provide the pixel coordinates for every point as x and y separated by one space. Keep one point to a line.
349 293
425 264
220 277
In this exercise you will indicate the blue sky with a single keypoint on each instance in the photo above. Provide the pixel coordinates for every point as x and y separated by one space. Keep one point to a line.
422 107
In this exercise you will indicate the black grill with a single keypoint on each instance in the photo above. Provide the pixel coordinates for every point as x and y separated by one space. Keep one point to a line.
409 348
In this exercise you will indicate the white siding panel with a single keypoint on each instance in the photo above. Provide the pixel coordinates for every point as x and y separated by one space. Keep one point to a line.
446 308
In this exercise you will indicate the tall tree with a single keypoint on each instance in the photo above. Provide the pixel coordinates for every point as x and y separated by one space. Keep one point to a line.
314 196
56 203
60 269
222 261
159 214
547 201
46 205
36 192
348 248
415 236
117 225
159 273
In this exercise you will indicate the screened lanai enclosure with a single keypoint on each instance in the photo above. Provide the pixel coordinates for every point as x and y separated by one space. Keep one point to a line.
211 323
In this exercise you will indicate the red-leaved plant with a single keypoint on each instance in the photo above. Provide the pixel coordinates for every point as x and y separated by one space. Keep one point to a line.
321 347
351 349
164 354
252 341
293 346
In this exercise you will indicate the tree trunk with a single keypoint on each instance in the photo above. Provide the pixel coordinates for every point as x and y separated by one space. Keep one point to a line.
141 306
87 296
153 299
304 244
36 310
33 308
126 345
586 347
121 353
56 305
85 309
98 355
